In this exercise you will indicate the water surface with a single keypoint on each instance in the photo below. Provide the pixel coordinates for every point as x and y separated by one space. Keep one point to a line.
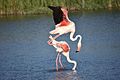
25 54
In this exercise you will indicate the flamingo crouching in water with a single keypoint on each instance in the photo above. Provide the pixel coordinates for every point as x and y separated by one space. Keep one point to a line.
62 47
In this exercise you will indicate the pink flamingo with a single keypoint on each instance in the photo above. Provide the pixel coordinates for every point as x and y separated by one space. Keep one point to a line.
62 47
64 25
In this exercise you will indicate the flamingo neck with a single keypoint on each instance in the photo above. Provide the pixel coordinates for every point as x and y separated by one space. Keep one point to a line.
74 39
73 62
66 16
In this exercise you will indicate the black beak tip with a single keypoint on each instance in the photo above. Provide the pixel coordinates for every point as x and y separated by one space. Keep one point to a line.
77 51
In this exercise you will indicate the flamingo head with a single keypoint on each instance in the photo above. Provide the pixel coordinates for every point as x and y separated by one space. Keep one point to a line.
51 41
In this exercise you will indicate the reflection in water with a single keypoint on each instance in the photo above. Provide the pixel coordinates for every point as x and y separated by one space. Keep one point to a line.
69 75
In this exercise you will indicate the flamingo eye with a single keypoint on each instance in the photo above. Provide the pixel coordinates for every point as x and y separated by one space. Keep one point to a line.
50 41
67 9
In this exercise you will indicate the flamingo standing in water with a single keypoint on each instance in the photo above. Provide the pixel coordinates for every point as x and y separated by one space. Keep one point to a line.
62 47
64 25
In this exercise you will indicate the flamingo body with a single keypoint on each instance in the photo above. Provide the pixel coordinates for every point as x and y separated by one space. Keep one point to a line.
64 23
64 29
62 47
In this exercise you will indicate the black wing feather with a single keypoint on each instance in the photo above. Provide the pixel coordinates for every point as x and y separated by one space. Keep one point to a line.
57 14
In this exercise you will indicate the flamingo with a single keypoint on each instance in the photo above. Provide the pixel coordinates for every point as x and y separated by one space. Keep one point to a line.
64 25
62 47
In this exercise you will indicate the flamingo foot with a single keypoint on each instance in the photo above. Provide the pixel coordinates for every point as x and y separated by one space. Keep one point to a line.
73 69
56 68
61 67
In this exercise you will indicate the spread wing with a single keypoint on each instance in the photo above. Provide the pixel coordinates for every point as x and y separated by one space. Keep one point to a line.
57 14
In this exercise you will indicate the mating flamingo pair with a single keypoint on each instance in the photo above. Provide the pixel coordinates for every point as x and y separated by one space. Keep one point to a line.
62 26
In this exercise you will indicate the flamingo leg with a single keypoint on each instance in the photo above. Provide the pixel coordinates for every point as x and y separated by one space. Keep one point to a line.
53 38
60 61
57 61
56 36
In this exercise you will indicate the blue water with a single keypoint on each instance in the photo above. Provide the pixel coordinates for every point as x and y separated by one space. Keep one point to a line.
25 54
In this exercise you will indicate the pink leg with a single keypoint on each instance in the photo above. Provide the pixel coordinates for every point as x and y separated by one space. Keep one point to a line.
53 31
56 36
60 61
57 61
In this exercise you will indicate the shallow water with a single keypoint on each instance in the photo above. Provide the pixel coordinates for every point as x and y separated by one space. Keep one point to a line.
25 54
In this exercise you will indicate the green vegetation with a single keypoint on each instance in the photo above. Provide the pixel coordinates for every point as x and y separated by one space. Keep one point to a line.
40 6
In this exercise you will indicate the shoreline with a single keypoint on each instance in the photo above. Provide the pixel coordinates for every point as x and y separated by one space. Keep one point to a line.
47 11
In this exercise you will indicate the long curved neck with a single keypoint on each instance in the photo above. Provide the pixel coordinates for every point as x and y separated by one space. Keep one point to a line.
66 15
65 12
74 39
72 61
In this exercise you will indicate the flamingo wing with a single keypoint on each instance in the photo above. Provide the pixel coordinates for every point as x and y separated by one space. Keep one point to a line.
57 14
